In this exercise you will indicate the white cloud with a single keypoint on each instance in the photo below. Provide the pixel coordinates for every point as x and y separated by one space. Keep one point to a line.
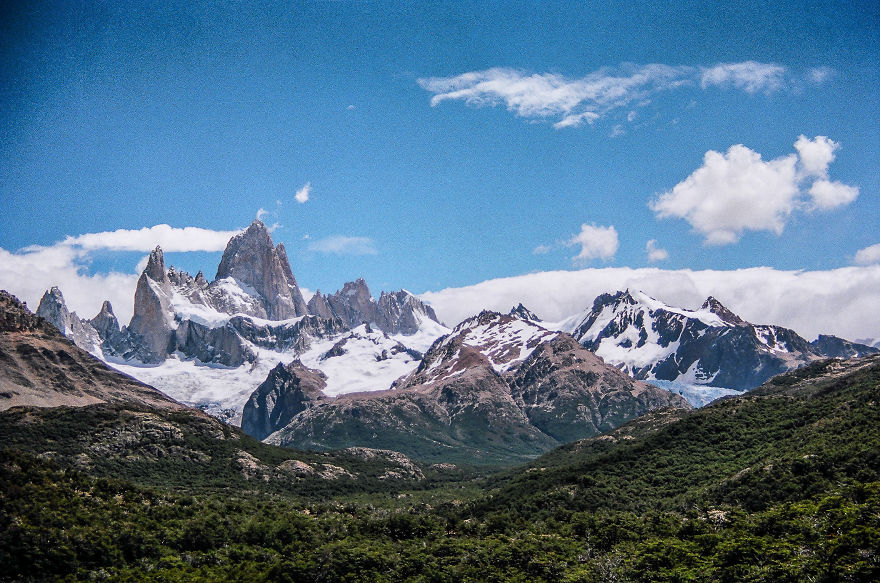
343 245
542 250
145 239
30 272
819 74
738 191
815 155
575 101
302 195
868 256
655 253
750 76
827 194
595 242
574 120
844 302
262 213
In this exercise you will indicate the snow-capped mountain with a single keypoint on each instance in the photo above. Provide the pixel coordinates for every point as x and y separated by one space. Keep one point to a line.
708 346
497 388
211 343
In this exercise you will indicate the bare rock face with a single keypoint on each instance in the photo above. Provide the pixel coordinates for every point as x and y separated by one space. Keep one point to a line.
253 261
54 310
353 304
287 391
153 318
397 312
319 306
401 312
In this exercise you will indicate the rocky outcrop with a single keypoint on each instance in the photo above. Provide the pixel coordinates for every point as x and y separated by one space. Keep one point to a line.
53 308
252 260
834 347
498 389
319 306
709 346
397 312
39 367
153 320
287 391
401 312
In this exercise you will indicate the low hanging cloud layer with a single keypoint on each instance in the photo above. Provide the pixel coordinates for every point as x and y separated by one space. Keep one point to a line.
170 238
844 302
573 102
737 191
31 271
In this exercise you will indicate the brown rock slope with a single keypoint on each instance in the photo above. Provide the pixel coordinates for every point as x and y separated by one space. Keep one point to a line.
40 367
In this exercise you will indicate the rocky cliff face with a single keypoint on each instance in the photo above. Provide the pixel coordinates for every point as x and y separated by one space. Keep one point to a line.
498 389
251 260
53 308
709 346
397 312
153 318
287 391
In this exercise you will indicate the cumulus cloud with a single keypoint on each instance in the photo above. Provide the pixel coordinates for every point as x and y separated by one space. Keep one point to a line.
738 191
344 245
827 194
575 101
750 76
868 256
542 250
595 243
145 239
302 195
30 272
844 302
655 253
815 155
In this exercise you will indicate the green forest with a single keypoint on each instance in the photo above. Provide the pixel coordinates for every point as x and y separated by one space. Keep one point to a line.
781 484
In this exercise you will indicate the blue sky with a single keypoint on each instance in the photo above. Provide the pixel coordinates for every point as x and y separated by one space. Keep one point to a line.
444 144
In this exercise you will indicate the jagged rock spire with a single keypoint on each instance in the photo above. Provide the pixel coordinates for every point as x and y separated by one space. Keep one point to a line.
153 316
252 259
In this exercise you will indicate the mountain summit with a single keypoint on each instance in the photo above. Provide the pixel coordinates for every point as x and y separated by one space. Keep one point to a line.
252 260
711 346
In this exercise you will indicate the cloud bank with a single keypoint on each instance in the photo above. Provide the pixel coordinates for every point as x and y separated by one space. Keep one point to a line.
844 302
31 271
737 191
573 102
171 239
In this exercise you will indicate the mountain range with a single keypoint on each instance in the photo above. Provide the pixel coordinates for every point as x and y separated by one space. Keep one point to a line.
499 388
345 369
709 346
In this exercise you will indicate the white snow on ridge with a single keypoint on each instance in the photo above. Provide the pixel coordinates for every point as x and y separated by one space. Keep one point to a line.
363 367
507 344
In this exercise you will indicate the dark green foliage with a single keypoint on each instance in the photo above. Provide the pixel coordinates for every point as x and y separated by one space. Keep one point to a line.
780 485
